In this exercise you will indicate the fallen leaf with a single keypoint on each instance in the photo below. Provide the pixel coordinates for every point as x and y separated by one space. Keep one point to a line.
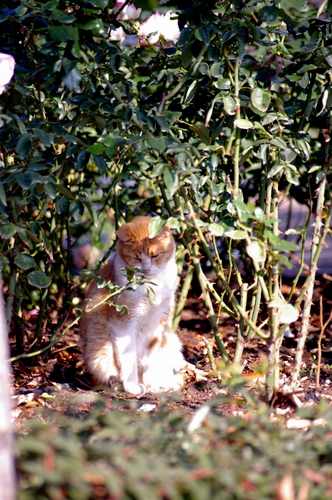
285 490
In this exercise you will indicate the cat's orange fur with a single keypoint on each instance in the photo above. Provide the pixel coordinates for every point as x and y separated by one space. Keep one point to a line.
140 348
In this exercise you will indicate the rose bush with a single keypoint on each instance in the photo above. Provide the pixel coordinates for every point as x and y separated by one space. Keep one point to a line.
204 128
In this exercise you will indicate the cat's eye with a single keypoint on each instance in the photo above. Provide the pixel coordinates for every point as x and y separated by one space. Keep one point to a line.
155 256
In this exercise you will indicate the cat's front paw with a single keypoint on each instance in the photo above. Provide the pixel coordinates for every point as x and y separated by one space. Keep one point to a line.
134 388
173 383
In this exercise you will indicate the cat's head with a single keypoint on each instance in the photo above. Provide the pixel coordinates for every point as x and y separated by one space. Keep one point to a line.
137 249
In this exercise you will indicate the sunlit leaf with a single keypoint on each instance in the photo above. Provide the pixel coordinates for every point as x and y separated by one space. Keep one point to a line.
261 98
216 229
257 251
155 226
243 124
236 234
229 105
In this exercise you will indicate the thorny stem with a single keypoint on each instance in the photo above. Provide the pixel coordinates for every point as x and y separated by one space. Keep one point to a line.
240 337
237 306
11 295
183 296
273 277
237 148
193 247
319 342
255 302
317 242
299 272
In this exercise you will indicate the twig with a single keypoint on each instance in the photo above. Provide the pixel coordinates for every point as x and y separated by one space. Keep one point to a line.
319 342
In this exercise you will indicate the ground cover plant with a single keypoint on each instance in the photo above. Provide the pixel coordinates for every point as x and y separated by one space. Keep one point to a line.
165 455
206 118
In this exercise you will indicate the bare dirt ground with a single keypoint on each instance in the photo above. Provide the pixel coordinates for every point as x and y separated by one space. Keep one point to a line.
58 381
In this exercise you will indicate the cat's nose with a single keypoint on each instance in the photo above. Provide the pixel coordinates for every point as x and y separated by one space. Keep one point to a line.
146 267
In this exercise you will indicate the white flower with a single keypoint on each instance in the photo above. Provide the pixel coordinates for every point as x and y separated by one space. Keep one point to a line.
150 29
117 35
129 11
7 65
159 25
170 28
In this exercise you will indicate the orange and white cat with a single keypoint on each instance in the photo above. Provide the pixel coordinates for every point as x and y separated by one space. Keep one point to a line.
139 348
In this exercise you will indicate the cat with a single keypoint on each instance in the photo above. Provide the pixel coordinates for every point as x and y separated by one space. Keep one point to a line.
139 348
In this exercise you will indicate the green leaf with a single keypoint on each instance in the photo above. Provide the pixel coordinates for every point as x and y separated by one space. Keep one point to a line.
97 149
286 312
280 143
25 261
243 124
63 33
91 25
287 155
48 246
155 226
173 222
241 206
8 230
99 4
50 189
62 16
163 124
236 234
100 164
229 105
61 204
223 83
63 190
187 55
72 79
256 250
155 143
202 131
216 229
3 198
82 160
171 180
43 137
300 5
39 279
24 145
260 99
26 179
282 245
76 210
92 211
275 170
195 85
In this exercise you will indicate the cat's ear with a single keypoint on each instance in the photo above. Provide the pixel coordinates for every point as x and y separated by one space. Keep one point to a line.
122 234
164 233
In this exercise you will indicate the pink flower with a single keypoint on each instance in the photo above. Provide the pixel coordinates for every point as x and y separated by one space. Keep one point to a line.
7 65
129 11
159 25
117 35
85 255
